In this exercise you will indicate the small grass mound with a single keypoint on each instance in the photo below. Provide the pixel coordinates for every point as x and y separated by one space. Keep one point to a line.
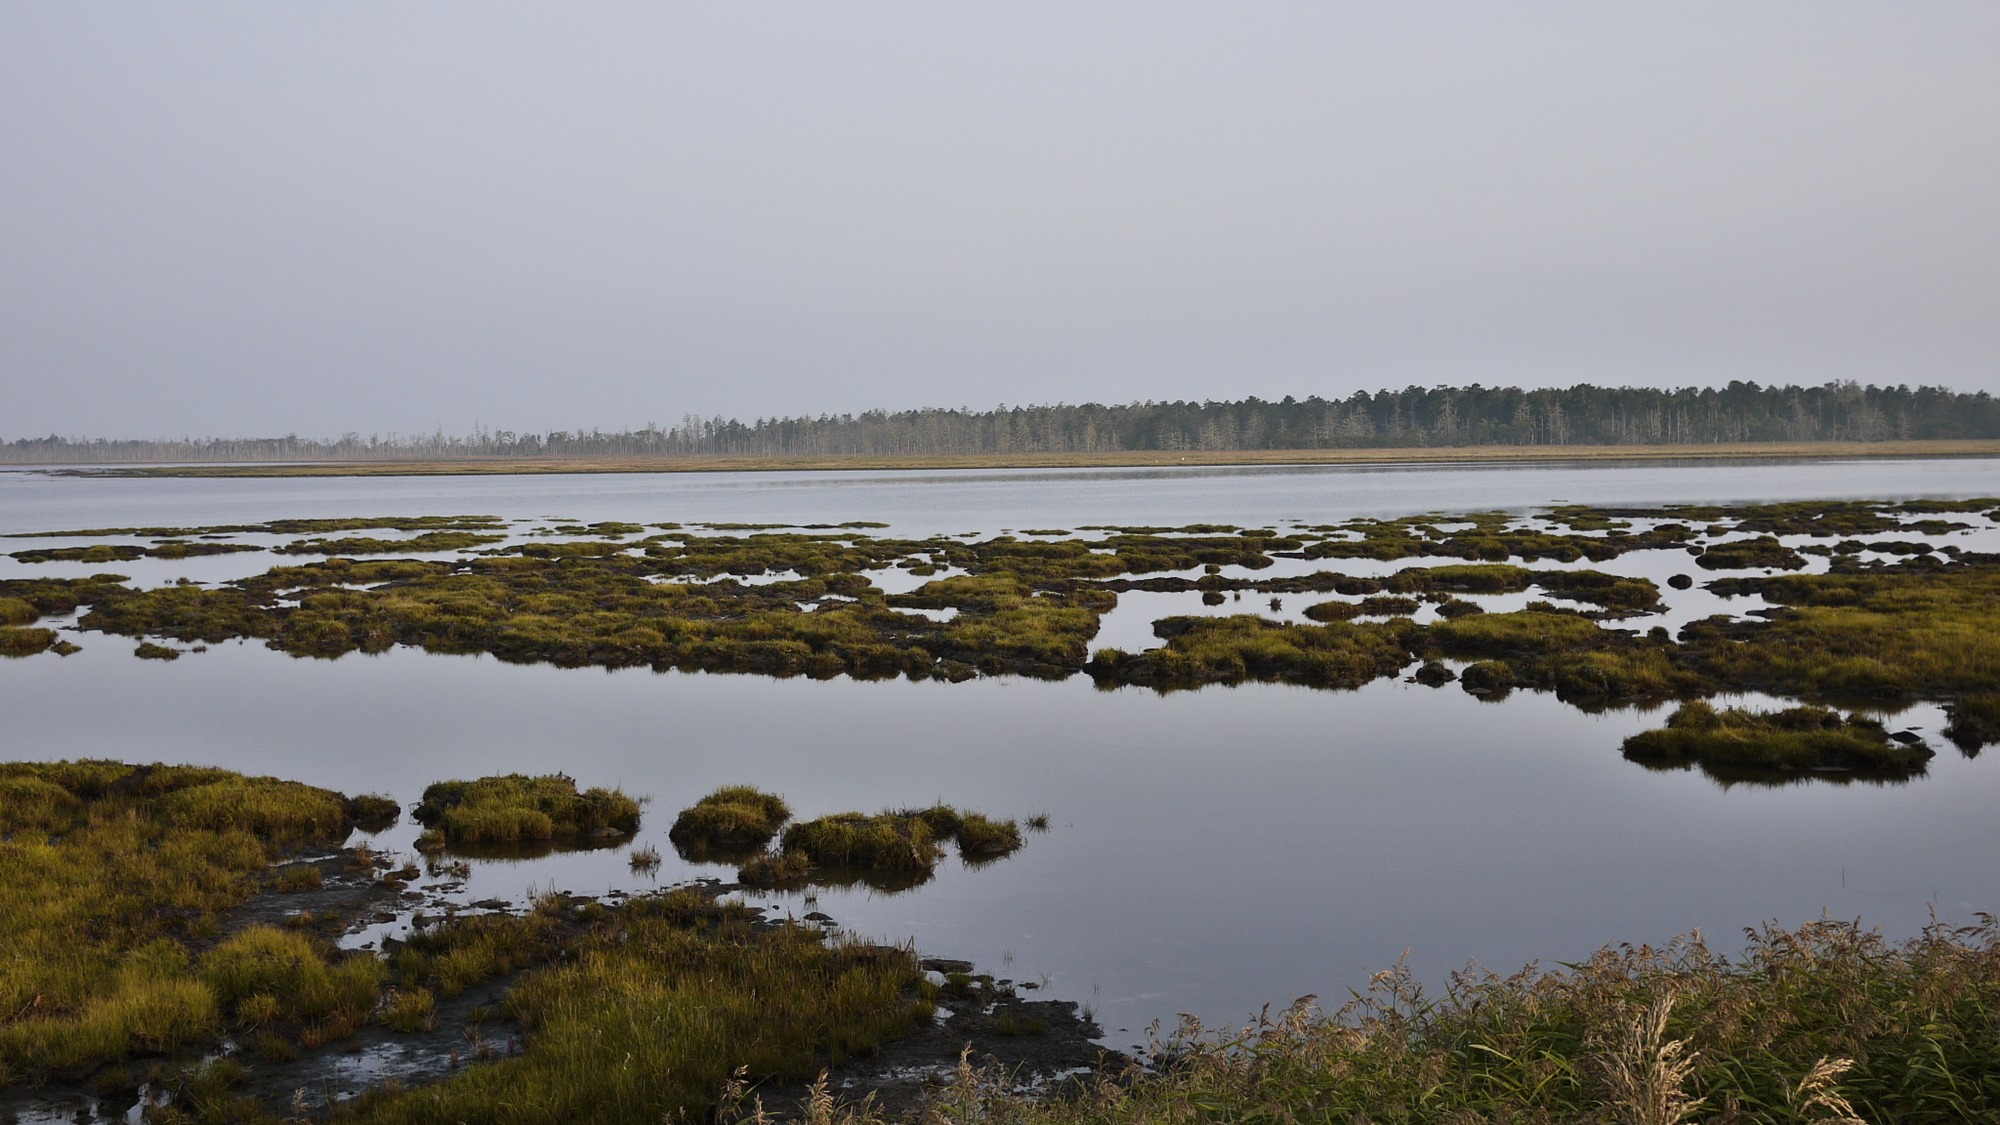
409 1012
736 819
781 869
374 812
1749 554
890 841
286 976
983 837
514 807
15 641
890 850
1797 739
1332 609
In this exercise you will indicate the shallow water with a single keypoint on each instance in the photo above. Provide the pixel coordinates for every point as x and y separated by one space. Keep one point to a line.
924 503
1209 852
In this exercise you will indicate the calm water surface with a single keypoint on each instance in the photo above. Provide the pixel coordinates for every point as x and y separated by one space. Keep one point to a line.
1210 851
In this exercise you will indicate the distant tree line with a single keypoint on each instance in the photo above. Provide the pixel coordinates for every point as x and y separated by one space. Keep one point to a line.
1412 417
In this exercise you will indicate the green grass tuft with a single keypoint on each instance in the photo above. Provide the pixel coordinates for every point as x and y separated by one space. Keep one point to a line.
516 807
730 821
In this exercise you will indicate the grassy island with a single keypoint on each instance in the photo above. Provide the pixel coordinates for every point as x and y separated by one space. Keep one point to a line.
516 807
1796 740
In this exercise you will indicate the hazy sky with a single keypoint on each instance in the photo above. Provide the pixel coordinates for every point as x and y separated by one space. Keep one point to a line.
253 218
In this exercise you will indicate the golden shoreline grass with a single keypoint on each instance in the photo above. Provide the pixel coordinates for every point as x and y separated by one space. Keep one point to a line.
719 463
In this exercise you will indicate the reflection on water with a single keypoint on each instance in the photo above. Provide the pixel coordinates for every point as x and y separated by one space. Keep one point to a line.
1208 851
924 503
520 851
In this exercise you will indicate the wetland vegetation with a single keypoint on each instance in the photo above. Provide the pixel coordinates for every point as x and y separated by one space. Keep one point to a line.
1824 1023
129 897
133 892
1857 610
515 807
124 891
1795 740
116 883
735 820
891 850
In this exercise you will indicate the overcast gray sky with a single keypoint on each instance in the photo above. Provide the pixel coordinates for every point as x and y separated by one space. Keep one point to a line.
238 218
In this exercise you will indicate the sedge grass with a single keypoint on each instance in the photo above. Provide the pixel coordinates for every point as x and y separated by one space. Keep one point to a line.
649 1018
108 873
516 807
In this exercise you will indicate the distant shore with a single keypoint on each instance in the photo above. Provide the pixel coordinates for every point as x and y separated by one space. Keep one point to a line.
716 463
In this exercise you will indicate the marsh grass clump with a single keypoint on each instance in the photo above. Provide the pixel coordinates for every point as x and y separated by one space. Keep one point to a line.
775 869
1488 677
147 650
891 850
1617 594
1233 649
363 545
981 837
109 874
1794 740
450 958
16 641
1433 674
374 812
18 611
657 1004
1494 578
890 841
732 821
1749 554
517 807
308 980
1890 635
1333 609
298 877
95 553
645 859
409 1011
